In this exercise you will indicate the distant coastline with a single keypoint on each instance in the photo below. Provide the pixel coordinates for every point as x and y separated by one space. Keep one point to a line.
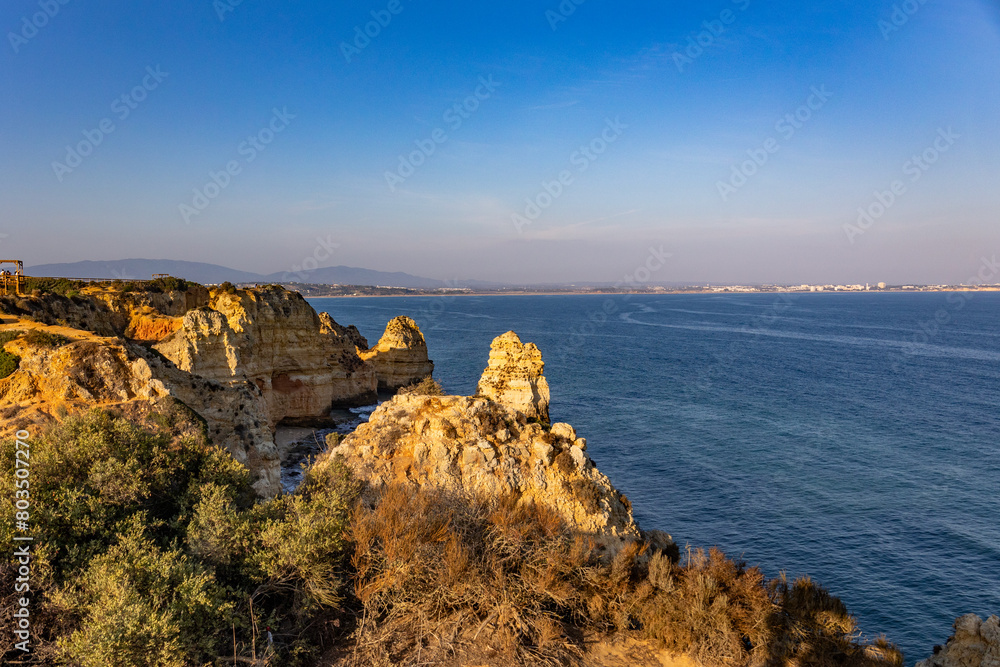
355 292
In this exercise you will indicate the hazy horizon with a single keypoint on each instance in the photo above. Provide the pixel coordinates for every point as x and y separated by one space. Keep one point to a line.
626 126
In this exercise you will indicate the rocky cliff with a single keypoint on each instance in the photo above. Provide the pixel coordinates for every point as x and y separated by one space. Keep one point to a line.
514 377
88 371
976 643
400 356
486 445
274 339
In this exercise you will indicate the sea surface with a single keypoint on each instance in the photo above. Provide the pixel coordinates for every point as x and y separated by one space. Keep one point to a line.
851 437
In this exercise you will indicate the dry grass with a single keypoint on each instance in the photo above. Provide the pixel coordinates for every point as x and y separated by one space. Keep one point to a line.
445 580
426 387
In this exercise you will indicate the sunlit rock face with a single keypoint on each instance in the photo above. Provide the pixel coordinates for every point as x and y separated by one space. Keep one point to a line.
514 377
94 371
486 445
400 356
274 339
976 643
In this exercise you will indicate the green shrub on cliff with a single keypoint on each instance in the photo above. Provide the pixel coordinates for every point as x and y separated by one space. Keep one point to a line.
152 548
9 361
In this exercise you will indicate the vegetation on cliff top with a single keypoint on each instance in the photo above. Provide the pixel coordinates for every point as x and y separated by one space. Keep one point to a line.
151 550
9 361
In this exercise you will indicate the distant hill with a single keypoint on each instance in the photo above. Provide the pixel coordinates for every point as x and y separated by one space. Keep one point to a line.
143 269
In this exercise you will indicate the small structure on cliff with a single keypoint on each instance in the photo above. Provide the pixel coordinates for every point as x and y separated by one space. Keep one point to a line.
12 283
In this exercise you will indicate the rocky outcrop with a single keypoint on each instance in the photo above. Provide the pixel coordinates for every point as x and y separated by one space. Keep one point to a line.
976 643
514 377
92 371
108 311
274 339
480 445
400 357
348 333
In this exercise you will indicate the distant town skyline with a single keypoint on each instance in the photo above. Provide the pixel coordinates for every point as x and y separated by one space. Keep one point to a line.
721 142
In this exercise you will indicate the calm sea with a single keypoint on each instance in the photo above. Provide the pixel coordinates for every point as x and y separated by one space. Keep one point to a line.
851 437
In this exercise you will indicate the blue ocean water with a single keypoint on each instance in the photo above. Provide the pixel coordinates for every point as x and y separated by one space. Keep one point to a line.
851 437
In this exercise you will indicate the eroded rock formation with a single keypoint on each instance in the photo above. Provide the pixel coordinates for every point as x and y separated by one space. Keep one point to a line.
274 339
400 356
486 445
976 643
514 377
92 371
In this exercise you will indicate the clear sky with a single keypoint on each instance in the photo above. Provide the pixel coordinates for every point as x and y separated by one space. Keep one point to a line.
696 120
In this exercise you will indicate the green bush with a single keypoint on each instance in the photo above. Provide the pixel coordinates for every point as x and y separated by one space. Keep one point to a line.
42 338
63 286
141 604
168 284
9 362
152 547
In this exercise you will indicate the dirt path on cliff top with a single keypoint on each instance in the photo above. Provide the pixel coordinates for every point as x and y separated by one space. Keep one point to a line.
7 323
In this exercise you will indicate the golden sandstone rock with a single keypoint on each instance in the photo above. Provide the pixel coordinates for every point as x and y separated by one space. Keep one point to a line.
274 339
976 643
243 360
400 356
486 445
514 377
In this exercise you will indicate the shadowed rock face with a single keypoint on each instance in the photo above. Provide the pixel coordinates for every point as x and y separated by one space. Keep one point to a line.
481 445
976 643
400 357
514 377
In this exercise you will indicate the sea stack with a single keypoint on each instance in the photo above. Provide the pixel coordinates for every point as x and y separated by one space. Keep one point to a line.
400 356
513 377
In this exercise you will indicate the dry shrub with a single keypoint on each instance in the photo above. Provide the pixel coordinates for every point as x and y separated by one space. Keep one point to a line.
426 387
498 581
440 574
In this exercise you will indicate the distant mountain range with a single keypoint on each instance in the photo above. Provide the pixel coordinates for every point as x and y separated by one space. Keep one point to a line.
143 269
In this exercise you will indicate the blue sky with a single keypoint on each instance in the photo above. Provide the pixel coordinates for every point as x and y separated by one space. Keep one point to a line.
684 116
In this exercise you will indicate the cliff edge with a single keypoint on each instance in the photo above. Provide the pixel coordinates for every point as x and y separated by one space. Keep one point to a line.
975 643
485 445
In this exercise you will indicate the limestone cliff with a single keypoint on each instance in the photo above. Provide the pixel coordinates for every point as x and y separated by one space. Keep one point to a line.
400 357
92 371
106 311
514 377
976 643
274 339
479 445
